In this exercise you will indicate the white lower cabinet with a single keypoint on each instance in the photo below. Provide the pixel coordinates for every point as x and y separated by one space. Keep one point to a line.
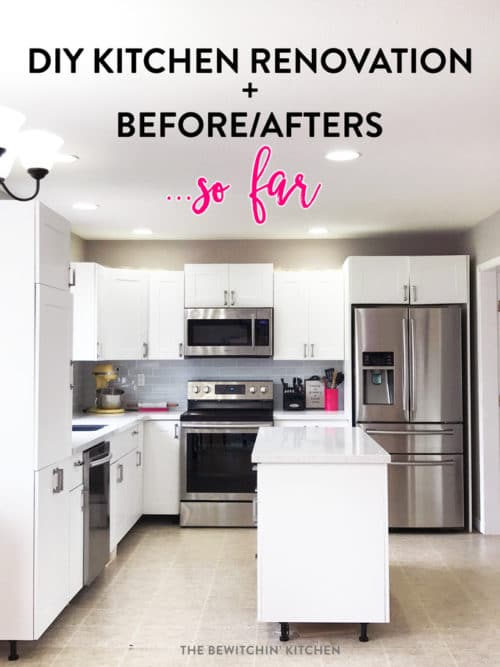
161 467
75 540
52 535
124 489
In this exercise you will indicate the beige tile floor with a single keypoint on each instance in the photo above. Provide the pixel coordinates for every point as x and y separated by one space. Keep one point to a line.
171 587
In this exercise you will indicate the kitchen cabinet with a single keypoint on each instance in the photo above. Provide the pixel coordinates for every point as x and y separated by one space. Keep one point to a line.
86 289
308 315
124 312
402 279
166 315
75 540
52 532
52 249
223 285
53 372
161 467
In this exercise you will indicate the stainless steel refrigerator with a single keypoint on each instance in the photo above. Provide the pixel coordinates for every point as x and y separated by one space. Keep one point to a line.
408 396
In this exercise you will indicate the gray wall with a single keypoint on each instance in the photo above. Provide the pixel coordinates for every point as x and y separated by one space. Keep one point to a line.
291 254
484 239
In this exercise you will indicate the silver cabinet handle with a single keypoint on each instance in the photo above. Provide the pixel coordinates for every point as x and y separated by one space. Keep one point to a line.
138 462
225 297
72 276
414 293
101 461
58 473
305 350
82 500
426 464
254 510
135 432
413 366
373 431
180 349
78 463
145 348
405 367
232 298
176 431
119 470
312 350
405 293
254 468
98 350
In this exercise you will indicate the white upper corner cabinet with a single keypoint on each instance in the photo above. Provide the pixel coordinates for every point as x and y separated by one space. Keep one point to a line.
379 279
326 315
251 285
161 467
123 310
53 373
53 241
439 279
206 285
291 315
166 314
86 286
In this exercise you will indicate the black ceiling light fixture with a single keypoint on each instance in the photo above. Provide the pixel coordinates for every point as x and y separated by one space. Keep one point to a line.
36 150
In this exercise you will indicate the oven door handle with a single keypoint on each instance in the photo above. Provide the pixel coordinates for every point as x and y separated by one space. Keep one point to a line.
229 428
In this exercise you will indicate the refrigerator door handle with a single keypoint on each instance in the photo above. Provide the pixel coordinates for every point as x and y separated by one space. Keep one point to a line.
413 366
444 431
405 367
423 464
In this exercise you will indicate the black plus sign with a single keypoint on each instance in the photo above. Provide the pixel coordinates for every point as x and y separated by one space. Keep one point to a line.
249 90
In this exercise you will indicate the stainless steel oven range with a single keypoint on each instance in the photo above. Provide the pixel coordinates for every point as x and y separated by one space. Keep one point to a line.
218 432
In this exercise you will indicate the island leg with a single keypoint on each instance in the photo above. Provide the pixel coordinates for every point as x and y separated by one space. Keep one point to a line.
285 632
13 655
363 636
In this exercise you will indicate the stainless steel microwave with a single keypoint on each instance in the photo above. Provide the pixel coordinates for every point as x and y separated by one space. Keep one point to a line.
228 332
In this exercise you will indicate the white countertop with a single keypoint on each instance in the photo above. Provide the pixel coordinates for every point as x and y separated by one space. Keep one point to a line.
322 444
82 440
311 415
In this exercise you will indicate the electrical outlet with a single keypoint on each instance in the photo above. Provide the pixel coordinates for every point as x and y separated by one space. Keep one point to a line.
141 380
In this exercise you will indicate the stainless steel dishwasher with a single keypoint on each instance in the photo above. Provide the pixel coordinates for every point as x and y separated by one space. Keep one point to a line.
96 462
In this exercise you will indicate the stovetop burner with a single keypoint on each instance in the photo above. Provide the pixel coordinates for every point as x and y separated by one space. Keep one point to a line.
229 401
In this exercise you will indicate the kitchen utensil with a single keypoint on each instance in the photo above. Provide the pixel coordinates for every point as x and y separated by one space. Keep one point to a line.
340 379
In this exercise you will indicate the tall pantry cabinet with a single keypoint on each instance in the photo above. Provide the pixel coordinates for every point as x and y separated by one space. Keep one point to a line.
36 340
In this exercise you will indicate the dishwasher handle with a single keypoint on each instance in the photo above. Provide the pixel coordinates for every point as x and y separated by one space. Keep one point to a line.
101 461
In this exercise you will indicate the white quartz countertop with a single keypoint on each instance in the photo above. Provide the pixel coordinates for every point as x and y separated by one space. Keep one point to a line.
82 440
310 415
321 444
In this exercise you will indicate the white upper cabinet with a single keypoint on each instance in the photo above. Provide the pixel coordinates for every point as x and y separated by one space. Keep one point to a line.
53 239
439 279
251 285
206 285
308 315
124 314
408 280
378 279
53 373
166 314
225 285
87 285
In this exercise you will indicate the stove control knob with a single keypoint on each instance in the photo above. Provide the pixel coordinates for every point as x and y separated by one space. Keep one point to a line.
206 389
252 390
196 389
263 390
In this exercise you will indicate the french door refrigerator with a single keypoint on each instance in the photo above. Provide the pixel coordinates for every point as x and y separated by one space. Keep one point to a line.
408 397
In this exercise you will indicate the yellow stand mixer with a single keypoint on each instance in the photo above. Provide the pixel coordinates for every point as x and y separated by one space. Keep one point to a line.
108 400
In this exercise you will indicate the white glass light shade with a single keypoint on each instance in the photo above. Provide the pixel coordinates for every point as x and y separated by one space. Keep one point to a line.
38 149
7 160
10 123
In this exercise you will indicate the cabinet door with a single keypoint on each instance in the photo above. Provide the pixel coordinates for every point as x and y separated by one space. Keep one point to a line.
439 279
117 503
138 485
378 279
251 285
166 314
123 312
53 238
75 540
85 310
326 315
291 315
53 373
206 285
161 467
51 546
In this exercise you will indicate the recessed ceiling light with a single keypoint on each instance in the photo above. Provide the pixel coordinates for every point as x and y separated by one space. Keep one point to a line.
142 231
66 158
342 155
318 230
85 206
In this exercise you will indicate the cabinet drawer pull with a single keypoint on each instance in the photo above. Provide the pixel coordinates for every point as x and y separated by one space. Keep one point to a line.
225 297
312 350
405 293
72 276
145 352
58 473
180 349
305 350
120 473
232 298
138 462
414 293
176 431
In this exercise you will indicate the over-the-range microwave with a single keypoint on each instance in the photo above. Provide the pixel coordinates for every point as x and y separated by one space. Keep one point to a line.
228 332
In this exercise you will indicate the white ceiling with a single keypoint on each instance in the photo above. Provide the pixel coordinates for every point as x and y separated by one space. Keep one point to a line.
436 165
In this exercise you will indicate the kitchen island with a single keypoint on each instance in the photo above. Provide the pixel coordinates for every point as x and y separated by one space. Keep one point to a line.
322 527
